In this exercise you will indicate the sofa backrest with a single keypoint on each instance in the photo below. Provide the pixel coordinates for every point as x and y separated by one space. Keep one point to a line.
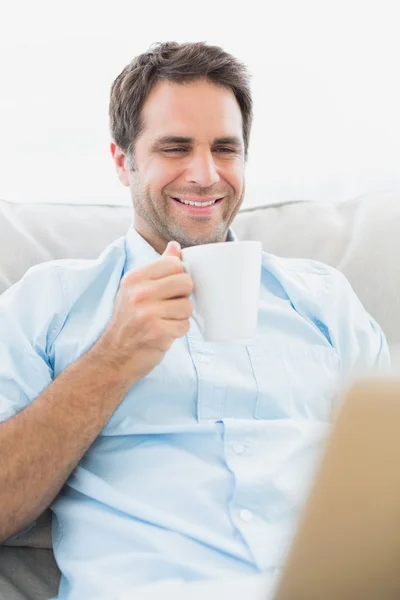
361 237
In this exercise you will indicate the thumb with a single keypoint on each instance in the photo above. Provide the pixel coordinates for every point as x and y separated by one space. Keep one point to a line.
173 249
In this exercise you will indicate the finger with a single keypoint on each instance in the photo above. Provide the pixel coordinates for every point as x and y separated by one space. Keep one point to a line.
177 328
173 249
162 267
176 309
174 286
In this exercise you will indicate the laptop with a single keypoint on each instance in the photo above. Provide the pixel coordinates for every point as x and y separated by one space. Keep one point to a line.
347 546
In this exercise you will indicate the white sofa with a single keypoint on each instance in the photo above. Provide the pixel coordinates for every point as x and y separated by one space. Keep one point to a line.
360 236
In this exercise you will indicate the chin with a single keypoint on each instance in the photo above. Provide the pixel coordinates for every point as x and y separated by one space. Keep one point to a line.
186 242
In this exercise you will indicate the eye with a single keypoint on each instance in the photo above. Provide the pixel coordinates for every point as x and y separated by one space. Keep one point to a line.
225 150
172 150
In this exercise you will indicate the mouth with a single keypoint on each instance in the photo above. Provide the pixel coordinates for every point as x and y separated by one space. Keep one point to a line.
194 206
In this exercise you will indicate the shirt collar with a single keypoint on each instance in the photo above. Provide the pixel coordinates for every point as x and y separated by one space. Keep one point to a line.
140 253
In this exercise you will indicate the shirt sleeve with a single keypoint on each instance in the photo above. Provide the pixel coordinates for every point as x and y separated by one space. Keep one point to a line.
359 339
31 315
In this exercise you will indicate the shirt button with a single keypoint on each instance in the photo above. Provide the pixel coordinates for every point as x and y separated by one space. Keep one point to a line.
246 515
204 359
238 449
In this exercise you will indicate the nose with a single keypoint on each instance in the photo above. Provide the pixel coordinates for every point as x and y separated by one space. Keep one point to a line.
202 170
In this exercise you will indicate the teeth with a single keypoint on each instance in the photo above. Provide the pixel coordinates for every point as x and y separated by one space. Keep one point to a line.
196 203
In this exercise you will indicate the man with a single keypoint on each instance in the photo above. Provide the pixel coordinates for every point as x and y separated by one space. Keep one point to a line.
165 456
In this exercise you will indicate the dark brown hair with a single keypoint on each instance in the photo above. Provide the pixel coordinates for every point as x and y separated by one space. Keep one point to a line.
178 63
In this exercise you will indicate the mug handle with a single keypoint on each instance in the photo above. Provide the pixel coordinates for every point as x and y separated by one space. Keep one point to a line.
197 318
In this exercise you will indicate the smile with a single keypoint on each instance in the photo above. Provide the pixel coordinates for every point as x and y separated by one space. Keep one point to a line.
197 203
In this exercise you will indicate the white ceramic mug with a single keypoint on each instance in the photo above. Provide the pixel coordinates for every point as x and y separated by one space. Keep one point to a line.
226 279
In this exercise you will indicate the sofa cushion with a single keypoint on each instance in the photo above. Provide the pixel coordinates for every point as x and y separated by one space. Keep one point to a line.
28 574
28 570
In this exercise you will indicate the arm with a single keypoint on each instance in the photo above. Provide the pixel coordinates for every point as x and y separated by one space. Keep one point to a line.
58 421
43 443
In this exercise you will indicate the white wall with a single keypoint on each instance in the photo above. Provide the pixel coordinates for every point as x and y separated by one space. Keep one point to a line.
325 84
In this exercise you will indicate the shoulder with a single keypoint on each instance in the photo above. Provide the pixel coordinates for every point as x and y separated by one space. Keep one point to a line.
324 295
44 295
322 288
112 256
51 270
298 265
305 274
73 275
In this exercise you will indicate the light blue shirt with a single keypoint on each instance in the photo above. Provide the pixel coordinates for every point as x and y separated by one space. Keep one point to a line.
204 467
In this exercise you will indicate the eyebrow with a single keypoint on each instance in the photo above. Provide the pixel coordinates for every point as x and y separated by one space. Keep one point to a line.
175 139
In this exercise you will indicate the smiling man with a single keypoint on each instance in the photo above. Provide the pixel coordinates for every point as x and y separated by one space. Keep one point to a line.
164 456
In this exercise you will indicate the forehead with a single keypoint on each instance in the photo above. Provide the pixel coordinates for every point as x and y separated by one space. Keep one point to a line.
198 109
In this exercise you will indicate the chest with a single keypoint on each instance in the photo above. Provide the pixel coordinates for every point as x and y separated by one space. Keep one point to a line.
288 370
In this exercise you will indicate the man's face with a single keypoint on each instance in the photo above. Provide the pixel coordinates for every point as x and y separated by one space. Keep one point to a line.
191 149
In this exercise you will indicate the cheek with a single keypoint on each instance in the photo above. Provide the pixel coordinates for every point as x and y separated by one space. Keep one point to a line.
235 177
160 174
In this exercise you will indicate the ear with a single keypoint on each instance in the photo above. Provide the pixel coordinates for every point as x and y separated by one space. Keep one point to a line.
121 163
